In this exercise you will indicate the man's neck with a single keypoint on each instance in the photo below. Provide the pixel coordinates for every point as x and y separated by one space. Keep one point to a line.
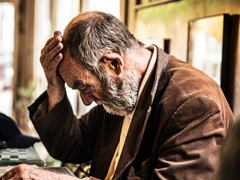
146 56
143 61
139 60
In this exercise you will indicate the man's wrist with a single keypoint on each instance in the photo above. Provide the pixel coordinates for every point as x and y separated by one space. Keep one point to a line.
55 95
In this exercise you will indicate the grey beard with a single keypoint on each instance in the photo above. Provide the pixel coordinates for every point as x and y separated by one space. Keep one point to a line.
120 96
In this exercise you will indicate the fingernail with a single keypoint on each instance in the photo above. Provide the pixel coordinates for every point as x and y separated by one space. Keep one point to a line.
60 45
57 33
59 55
59 38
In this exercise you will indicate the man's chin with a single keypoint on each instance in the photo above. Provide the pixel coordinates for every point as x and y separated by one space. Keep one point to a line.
115 112
110 110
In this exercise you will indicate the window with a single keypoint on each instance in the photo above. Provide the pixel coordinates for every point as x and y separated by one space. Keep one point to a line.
7 13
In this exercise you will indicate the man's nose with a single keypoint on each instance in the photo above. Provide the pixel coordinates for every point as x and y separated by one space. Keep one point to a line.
86 99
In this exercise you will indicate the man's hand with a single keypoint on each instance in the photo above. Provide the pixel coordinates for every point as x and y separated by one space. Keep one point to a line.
51 56
28 172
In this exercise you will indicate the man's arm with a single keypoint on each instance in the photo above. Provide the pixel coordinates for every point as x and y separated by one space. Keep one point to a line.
51 56
65 137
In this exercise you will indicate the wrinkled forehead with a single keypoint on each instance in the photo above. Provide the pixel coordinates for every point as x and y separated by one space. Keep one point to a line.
72 71
68 65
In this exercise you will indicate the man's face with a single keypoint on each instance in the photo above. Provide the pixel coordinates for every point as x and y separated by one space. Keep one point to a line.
118 96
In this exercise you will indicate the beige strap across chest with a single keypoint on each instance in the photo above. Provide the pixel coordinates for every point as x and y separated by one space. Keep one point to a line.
127 120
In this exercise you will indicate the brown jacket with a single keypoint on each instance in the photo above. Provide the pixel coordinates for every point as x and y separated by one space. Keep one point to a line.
176 131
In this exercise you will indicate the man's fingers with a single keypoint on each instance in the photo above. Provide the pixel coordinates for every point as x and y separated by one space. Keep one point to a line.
57 60
52 47
8 174
54 51
52 44
46 44
56 33
21 171
48 57
52 66
49 40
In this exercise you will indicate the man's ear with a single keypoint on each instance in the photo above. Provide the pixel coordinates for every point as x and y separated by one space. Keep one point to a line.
114 62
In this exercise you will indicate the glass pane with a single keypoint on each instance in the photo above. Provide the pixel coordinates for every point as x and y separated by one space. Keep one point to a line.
205 45
6 56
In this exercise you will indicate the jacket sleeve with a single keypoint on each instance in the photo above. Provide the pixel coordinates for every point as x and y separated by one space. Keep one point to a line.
192 139
65 137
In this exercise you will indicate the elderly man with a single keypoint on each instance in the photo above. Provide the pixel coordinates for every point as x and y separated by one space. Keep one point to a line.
157 117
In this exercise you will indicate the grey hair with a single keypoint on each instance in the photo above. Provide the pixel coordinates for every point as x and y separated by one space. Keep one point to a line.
89 38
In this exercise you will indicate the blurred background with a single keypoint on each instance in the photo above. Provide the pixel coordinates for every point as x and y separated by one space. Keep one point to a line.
204 32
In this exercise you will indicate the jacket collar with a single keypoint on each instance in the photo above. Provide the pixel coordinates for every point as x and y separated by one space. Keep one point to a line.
141 115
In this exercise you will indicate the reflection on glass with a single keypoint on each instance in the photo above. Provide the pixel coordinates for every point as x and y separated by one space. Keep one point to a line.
6 56
205 45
